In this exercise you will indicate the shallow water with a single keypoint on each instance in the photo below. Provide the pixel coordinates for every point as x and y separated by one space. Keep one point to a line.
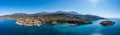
9 27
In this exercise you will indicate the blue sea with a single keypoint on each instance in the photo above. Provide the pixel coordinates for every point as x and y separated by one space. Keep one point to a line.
9 27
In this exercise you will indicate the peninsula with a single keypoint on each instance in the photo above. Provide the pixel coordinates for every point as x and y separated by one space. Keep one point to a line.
51 18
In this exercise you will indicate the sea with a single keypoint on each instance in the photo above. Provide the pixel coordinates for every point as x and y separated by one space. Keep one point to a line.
9 27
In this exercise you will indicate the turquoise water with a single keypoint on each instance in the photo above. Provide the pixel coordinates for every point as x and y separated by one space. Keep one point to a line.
9 27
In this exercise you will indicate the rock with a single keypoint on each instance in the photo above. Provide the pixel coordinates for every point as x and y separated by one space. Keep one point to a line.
107 23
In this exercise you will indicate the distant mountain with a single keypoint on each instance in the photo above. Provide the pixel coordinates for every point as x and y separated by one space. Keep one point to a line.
51 18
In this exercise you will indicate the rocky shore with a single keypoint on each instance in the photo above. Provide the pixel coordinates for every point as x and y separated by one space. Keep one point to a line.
51 18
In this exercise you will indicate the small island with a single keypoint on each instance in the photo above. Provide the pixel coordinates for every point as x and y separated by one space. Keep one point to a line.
107 23
51 18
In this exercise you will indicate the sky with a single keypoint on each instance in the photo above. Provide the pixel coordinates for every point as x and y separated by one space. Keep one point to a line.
103 8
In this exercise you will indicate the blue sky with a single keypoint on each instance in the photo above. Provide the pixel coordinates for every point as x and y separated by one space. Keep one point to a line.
103 8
